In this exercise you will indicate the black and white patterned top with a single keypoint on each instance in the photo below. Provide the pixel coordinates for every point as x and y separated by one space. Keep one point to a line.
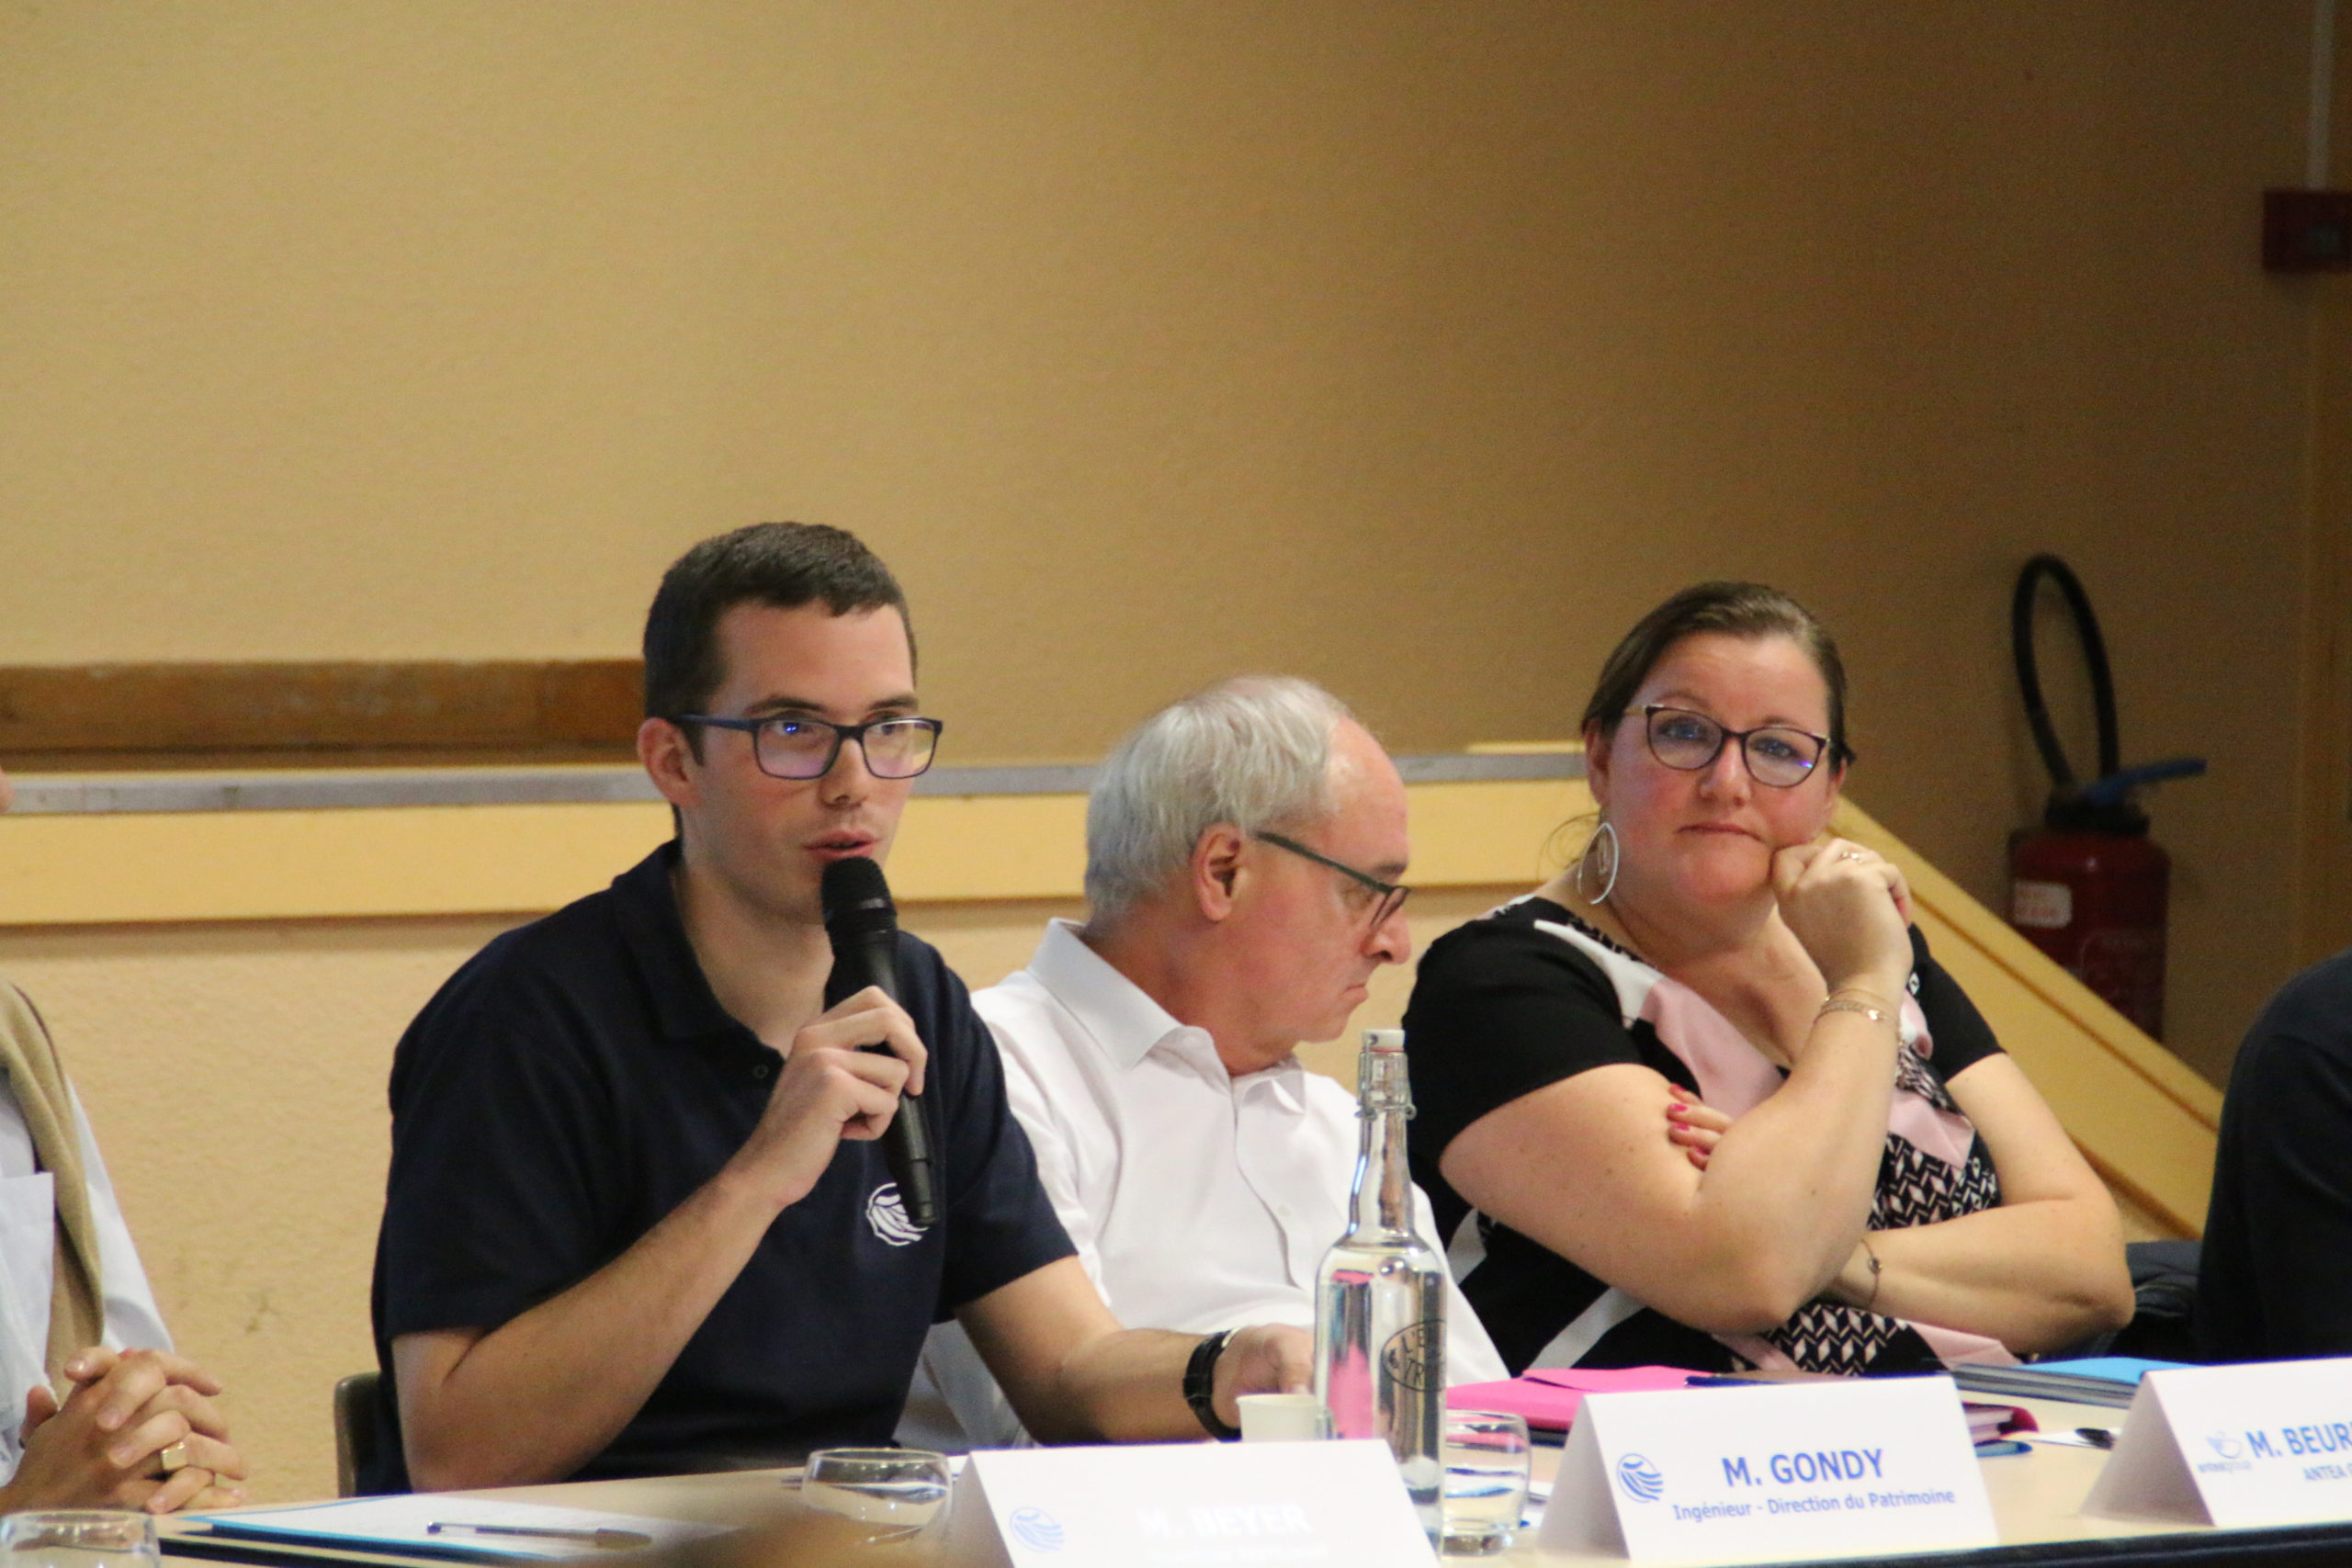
1529 995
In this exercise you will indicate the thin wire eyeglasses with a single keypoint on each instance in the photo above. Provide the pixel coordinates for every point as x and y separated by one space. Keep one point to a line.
1779 755
1388 897
790 747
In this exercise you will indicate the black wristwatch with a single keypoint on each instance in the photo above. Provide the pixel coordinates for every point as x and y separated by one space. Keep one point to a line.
1200 1386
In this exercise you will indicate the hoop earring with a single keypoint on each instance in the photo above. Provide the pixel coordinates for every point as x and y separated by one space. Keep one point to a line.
1615 857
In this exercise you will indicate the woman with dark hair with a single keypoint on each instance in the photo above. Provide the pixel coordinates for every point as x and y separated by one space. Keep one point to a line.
1855 1178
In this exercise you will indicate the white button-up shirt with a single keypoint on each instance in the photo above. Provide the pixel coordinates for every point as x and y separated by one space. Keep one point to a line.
28 1260
1197 1201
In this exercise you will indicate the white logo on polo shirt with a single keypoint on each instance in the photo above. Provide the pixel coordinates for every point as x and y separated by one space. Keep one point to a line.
888 1217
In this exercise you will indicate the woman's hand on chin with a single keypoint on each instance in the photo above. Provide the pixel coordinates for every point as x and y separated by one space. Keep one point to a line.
1850 909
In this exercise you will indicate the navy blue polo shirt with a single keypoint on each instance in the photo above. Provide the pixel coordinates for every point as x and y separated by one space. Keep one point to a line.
577 1080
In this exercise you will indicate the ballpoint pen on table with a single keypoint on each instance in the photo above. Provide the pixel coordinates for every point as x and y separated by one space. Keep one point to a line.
610 1539
2078 1437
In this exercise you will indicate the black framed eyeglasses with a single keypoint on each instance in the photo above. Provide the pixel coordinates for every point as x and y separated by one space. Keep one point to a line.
1388 898
1778 754
791 747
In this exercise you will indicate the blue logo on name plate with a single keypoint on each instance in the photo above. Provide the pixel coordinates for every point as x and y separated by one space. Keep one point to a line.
1640 1479
1038 1528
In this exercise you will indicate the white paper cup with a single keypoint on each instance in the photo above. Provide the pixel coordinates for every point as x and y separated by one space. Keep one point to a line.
1282 1418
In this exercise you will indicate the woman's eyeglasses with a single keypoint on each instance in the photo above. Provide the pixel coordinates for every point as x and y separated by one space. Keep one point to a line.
1777 754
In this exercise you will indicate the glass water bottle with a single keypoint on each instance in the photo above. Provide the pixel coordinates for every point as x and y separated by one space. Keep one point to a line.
1380 1294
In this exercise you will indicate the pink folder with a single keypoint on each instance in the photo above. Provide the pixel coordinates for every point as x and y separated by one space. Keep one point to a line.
1548 1396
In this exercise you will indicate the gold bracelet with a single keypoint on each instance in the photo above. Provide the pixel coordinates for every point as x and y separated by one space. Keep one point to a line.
1876 1269
1845 1004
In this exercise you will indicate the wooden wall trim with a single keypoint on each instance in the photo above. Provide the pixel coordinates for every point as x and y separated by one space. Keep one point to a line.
151 710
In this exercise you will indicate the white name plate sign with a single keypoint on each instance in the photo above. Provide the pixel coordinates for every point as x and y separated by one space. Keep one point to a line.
2267 1443
1771 1474
1186 1505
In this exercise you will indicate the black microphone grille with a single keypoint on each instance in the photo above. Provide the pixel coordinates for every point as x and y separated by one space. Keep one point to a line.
855 896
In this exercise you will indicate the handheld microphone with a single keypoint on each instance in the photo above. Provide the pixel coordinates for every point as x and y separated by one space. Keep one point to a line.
863 925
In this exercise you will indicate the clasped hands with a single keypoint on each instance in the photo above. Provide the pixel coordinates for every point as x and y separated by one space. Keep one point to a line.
138 1429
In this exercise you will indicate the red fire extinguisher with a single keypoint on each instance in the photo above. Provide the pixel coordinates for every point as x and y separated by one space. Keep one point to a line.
2088 886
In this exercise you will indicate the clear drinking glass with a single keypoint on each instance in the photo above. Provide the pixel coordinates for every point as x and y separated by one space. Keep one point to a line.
79 1537
1486 1480
899 1490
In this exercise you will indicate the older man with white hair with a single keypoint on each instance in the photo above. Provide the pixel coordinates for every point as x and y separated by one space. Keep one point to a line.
1244 851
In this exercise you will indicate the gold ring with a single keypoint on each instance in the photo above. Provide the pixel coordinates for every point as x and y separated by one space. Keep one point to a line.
174 1458
1851 855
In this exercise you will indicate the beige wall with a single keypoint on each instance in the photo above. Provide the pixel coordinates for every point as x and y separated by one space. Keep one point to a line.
1414 347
